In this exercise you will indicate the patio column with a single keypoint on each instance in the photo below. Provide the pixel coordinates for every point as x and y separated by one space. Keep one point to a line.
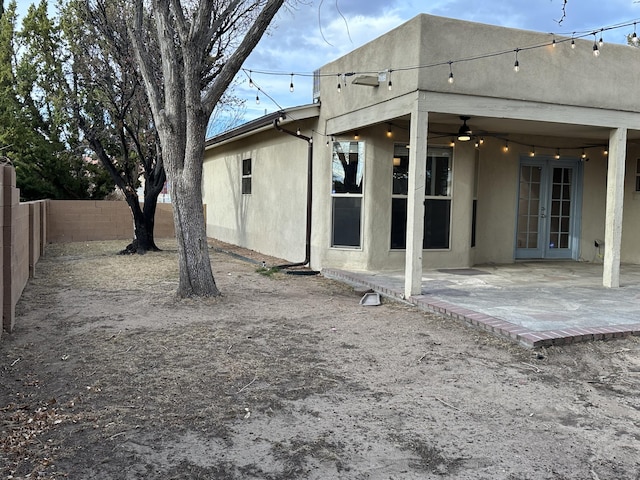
415 197
615 201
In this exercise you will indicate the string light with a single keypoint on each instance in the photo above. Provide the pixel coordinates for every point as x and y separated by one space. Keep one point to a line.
505 149
452 143
584 155
557 154
481 140
532 152
598 42
298 132
356 136
389 132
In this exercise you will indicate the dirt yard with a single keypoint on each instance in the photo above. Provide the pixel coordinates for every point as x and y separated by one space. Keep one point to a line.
108 376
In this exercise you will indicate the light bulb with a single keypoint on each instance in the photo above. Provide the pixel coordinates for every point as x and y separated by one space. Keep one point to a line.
251 80
451 77
505 149
596 50
573 43
291 84
257 100
390 85
516 66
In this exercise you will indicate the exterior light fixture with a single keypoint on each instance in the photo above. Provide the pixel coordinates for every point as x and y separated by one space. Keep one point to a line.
464 133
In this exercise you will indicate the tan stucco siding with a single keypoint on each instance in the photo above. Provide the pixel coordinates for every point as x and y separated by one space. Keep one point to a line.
272 218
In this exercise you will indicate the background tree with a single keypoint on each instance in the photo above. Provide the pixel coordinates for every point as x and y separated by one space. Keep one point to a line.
201 46
48 156
108 103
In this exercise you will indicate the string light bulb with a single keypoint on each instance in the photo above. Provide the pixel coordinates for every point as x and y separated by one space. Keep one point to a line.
573 43
601 41
452 143
481 140
516 66
532 152
356 136
557 154
291 84
584 154
505 149
339 85
257 99
450 73
389 132
390 83
554 43
634 36
596 50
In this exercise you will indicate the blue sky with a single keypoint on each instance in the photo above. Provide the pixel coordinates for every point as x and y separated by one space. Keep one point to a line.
312 34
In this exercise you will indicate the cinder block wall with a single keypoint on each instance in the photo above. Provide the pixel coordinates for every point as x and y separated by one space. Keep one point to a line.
20 244
87 220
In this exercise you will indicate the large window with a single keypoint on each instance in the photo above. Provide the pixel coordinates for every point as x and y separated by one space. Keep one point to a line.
437 202
346 190
246 176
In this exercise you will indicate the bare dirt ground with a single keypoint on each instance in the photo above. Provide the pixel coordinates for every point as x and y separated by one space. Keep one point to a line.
109 376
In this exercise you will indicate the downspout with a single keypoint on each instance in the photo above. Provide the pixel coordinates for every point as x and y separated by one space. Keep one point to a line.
309 141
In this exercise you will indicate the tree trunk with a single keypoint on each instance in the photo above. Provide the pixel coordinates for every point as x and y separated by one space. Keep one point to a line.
196 276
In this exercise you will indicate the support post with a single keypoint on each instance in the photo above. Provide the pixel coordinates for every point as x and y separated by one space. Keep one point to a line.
415 197
615 201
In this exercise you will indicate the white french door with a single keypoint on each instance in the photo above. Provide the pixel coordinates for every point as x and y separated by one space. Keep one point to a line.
549 198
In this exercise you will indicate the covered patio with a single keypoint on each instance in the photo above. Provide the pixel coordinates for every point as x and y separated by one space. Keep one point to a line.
532 303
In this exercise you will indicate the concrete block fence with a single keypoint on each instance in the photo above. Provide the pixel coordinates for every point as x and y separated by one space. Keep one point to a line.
27 227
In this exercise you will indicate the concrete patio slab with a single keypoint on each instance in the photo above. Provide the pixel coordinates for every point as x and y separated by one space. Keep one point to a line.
533 303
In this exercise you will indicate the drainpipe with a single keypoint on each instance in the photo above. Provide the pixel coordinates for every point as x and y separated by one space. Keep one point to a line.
309 141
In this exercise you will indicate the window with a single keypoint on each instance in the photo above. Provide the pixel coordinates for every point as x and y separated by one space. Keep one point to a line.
437 203
347 169
246 176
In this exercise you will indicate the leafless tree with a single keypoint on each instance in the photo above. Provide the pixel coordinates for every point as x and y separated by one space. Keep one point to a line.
202 45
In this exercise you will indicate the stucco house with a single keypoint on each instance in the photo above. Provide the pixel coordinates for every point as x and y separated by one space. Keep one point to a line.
424 149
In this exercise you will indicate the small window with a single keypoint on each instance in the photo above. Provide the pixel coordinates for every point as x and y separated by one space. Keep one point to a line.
246 176
638 175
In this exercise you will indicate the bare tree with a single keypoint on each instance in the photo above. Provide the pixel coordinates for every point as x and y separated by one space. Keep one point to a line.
202 46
